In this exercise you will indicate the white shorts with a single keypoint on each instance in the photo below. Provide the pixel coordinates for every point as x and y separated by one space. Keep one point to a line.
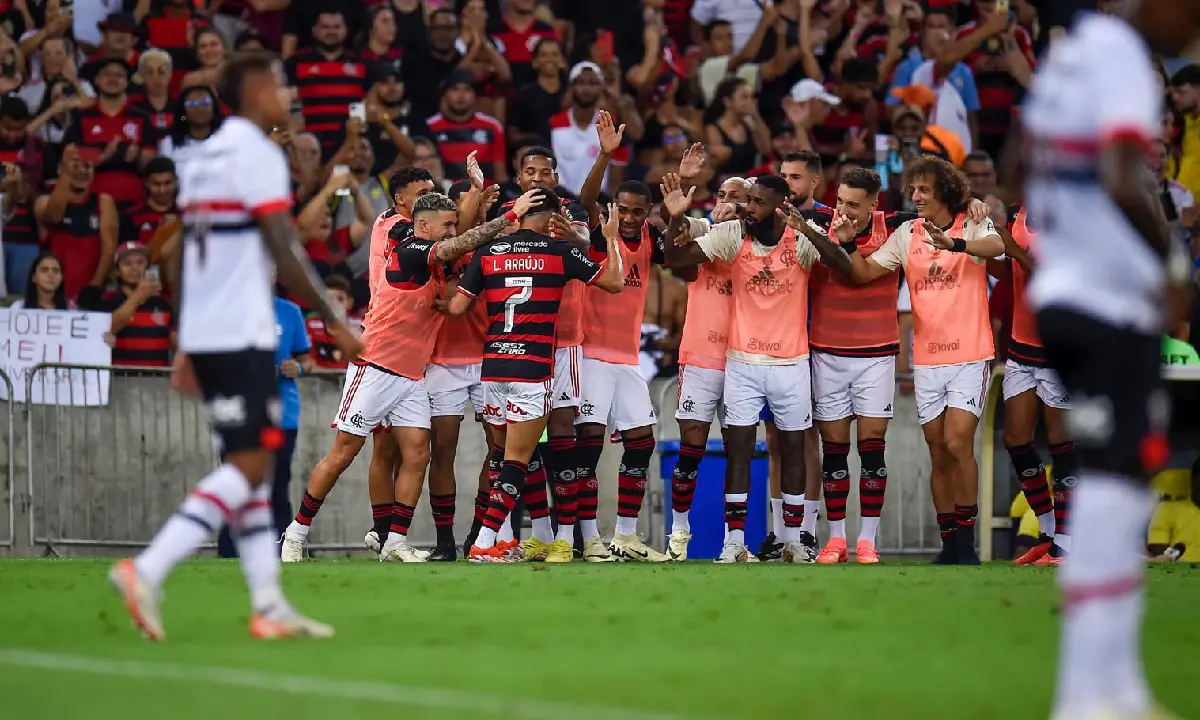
451 387
614 395
846 386
700 394
515 401
1022 378
566 377
963 387
786 389
372 397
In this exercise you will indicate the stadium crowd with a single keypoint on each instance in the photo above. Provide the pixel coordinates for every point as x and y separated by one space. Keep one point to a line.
99 96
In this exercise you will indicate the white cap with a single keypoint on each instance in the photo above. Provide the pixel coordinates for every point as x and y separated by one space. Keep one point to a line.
809 89
580 67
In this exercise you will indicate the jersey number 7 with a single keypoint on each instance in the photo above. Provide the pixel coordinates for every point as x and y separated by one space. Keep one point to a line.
525 284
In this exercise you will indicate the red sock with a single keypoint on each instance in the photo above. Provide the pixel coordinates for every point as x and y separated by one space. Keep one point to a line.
505 493
631 480
309 507
402 516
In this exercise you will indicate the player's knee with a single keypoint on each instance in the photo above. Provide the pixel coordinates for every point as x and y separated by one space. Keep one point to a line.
416 453
562 422
960 447
345 449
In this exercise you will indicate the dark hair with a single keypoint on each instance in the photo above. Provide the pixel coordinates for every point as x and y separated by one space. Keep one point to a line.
1186 75
50 85
245 37
860 70
329 9
634 187
208 31
950 186
364 35
948 12
977 156
337 282
538 151
550 202
443 11
710 27
179 130
12 107
233 76
725 90
158 165
458 189
861 178
537 46
808 157
406 176
31 293
774 183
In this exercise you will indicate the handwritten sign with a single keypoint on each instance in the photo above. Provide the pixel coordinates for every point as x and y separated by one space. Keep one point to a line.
30 337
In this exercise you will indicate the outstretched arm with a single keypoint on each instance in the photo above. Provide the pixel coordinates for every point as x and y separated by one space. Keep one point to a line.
475 238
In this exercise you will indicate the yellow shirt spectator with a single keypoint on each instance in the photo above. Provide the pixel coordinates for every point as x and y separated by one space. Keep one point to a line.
1189 160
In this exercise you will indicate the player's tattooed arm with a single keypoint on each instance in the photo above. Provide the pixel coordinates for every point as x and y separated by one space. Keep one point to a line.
475 238
832 254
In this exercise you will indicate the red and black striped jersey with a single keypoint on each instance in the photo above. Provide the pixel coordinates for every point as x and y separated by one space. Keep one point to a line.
326 89
521 278
140 221
160 120
517 45
146 340
482 134
20 229
1000 94
119 177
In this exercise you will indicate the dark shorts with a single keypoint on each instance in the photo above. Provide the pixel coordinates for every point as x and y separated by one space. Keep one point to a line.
241 396
1120 410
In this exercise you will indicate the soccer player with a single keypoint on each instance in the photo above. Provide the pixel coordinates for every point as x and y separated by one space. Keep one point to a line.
768 353
855 341
539 168
407 186
1109 280
614 393
521 278
1028 378
943 254
702 352
235 189
388 387
453 379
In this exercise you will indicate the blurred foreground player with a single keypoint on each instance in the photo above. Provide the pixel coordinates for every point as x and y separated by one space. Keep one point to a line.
235 190
1108 280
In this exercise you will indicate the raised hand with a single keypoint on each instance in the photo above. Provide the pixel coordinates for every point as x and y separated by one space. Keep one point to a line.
936 237
560 226
610 135
490 195
526 202
978 210
844 229
474 172
693 161
674 198
797 113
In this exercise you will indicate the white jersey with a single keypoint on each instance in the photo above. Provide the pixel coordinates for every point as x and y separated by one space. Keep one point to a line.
1097 84
225 184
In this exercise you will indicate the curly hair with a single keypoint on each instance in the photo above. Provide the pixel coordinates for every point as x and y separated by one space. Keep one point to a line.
950 185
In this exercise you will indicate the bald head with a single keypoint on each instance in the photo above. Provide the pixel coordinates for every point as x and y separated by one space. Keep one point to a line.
734 190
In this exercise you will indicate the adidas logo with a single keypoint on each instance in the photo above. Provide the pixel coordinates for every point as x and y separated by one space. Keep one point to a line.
564 397
888 408
765 283
938 278
634 277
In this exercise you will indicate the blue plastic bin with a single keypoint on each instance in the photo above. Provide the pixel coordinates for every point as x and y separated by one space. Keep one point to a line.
708 507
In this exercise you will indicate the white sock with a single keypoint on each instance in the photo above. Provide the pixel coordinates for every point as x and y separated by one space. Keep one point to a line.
736 536
868 528
811 509
486 539
258 553
680 522
837 528
543 530
788 534
506 534
296 527
626 525
777 516
1099 664
215 499
588 529
1063 542
566 533
1046 524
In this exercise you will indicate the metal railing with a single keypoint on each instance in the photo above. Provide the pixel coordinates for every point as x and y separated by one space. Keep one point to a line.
9 536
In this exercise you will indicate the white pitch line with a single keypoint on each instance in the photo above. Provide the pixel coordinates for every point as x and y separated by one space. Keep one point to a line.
443 699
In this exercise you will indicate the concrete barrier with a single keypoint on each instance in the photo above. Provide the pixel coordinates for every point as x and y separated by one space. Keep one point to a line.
103 478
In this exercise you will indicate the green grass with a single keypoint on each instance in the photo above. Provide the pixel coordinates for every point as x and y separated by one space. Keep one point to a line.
637 642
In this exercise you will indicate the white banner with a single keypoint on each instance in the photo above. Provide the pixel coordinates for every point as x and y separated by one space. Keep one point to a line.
30 337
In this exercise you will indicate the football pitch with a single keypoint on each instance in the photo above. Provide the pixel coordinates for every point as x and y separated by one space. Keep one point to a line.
568 642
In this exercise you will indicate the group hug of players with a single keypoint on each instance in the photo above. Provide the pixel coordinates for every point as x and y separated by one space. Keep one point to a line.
792 306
